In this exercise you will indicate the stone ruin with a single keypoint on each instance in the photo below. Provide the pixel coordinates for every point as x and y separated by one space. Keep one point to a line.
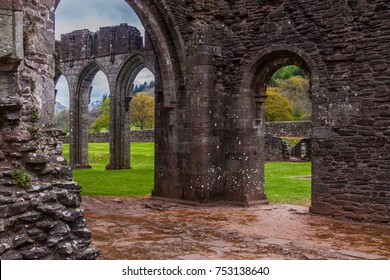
213 62
276 148
40 216
119 52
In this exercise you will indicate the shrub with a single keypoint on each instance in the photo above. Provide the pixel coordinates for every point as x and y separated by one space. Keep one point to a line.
33 131
35 115
21 178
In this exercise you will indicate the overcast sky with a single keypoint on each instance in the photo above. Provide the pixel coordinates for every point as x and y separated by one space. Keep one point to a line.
92 14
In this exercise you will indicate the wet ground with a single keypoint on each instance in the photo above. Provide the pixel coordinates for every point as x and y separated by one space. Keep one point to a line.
135 228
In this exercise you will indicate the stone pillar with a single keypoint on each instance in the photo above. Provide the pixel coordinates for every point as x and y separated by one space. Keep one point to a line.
197 139
166 172
244 149
202 165
119 127
79 101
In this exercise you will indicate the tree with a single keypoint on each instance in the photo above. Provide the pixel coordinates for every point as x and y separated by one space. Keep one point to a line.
142 111
103 122
61 120
277 107
296 89
285 73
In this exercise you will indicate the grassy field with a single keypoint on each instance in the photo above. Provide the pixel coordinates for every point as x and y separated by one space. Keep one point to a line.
288 182
136 181
285 182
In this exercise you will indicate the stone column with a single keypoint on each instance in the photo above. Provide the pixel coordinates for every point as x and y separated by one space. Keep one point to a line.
166 172
244 149
79 101
198 122
119 127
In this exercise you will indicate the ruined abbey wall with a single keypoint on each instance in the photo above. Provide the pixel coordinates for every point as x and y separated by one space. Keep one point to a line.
343 45
117 51
40 216
214 59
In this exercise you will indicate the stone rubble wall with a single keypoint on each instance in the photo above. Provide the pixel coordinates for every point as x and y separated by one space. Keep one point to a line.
104 137
42 220
277 149
289 129
40 214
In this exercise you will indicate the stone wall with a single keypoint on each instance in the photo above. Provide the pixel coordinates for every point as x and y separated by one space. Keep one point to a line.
214 61
104 137
289 129
238 45
277 149
40 214
110 40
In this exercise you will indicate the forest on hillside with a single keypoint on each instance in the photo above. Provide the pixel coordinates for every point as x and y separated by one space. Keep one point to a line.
288 95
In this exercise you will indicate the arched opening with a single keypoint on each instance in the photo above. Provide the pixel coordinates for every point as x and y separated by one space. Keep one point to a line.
289 89
261 81
120 107
168 59
142 105
91 90
288 112
99 101
62 105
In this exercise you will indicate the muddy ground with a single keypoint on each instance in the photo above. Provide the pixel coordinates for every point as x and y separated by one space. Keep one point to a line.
139 228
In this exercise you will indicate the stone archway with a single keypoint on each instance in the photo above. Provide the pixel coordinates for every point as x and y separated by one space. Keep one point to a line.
170 66
255 82
80 97
207 131
120 106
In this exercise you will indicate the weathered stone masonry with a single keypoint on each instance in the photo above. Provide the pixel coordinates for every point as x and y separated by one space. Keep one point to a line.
214 59
119 52
343 45
43 221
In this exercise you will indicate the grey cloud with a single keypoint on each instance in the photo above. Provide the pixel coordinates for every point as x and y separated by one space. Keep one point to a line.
92 14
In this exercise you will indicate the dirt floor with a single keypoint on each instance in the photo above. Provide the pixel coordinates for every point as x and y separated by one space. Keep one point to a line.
136 228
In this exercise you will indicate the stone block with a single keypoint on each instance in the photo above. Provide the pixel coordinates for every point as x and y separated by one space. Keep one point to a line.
36 158
361 255
16 136
11 39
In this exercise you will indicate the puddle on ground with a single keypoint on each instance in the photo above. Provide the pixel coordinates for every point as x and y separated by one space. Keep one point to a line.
130 230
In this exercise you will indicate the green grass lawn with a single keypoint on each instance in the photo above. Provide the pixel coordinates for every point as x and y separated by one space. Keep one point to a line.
285 182
136 181
288 182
